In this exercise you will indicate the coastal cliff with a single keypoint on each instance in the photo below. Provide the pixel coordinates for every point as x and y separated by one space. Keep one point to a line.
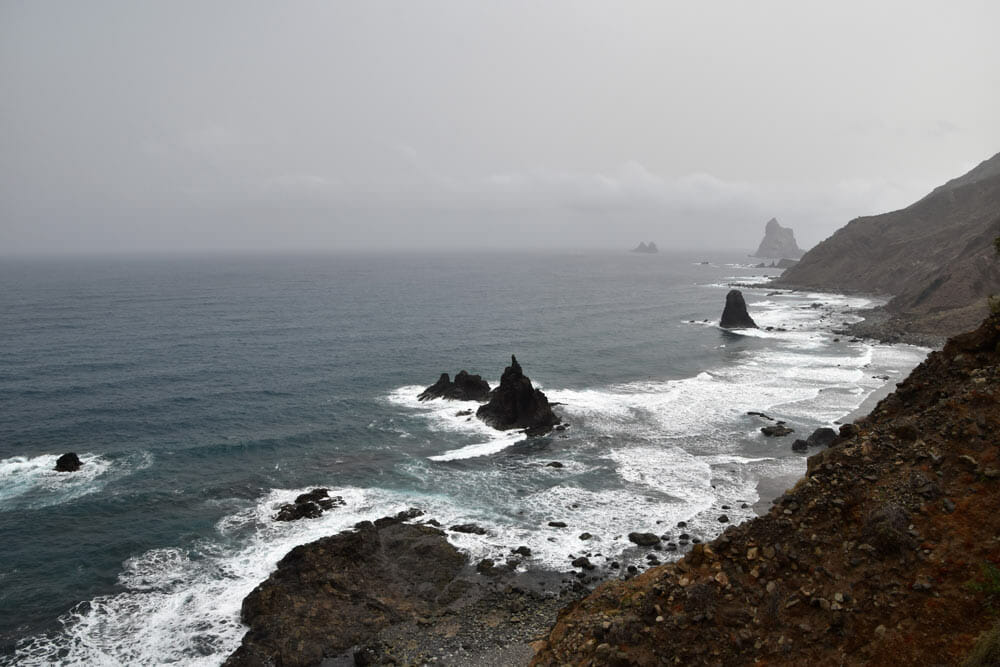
935 258
885 553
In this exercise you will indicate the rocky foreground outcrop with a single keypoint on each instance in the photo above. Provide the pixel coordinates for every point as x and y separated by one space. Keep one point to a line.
735 315
778 242
515 403
465 387
885 553
337 592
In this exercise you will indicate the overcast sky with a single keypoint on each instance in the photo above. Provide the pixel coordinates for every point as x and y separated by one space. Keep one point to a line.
248 125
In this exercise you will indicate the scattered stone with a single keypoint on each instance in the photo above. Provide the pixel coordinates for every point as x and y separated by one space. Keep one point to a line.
554 464
557 524
776 431
309 505
469 528
644 539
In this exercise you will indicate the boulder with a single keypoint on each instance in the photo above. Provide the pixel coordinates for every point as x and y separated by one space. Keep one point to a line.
644 539
777 430
339 591
800 445
735 315
466 387
68 462
515 403
469 528
822 437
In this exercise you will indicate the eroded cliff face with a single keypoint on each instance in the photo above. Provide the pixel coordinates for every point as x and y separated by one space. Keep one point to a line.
873 558
778 242
935 257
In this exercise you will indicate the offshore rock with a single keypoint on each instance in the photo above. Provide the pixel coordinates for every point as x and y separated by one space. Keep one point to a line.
517 404
466 387
308 505
778 242
649 248
68 462
339 591
735 315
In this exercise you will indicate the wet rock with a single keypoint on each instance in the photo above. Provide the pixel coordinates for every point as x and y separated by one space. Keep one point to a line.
309 505
557 524
470 528
735 315
522 551
517 404
583 562
800 445
644 539
554 464
466 387
723 519
585 536
68 462
776 431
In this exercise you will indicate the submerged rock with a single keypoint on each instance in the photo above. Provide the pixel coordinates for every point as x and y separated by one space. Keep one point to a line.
517 404
68 462
339 591
466 387
735 315
777 430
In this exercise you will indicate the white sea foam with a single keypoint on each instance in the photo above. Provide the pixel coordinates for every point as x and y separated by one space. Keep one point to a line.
32 482
445 415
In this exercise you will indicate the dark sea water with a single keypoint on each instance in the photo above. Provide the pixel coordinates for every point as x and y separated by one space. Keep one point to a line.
201 392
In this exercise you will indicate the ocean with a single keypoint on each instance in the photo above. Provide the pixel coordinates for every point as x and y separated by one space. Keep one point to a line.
201 392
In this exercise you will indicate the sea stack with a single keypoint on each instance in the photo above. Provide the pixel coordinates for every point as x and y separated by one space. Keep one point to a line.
517 404
466 387
648 248
735 315
68 462
778 242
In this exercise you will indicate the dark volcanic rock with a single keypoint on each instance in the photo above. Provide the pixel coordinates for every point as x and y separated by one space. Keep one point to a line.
644 539
822 437
777 430
69 462
308 505
800 445
469 528
735 315
337 592
517 404
466 387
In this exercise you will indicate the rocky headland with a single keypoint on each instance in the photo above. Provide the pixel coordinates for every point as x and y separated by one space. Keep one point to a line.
884 553
778 243
934 258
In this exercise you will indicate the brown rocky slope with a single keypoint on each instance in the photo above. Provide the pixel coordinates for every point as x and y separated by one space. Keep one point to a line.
885 553
935 257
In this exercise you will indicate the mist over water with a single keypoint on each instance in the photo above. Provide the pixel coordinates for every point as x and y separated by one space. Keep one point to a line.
202 392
